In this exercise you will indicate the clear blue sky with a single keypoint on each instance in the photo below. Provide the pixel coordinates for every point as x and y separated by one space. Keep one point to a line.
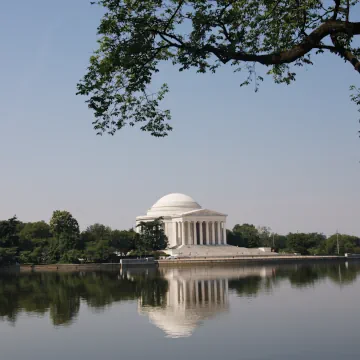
286 157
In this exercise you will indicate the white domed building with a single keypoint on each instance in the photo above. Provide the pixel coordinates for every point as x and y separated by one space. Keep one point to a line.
186 222
194 231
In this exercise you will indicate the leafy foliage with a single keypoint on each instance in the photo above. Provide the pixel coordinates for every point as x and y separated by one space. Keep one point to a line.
152 236
136 36
9 241
123 240
247 234
301 242
66 233
61 242
347 244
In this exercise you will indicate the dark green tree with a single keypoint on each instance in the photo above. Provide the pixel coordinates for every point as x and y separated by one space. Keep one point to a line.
152 236
9 241
280 241
259 37
34 230
347 244
304 243
98 232
123 240
98 251
248 234
97 243
265 236
34 242
231 238
65 230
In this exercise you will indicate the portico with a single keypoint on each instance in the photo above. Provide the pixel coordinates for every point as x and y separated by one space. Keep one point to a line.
202 227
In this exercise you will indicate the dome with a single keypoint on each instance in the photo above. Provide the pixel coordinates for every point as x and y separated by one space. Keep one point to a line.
173 204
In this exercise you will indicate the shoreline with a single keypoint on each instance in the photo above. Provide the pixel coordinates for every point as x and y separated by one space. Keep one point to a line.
278 259
258 260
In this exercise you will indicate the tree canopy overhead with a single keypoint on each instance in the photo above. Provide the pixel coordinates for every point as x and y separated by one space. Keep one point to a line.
137 35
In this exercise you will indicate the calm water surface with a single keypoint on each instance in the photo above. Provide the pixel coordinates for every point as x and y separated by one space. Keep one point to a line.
263 312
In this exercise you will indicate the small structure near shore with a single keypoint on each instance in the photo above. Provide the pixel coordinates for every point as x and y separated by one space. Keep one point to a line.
149 261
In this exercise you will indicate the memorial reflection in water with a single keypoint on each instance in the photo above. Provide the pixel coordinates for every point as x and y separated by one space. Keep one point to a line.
194 295
176 300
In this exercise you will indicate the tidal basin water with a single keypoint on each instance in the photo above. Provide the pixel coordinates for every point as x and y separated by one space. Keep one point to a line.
272 312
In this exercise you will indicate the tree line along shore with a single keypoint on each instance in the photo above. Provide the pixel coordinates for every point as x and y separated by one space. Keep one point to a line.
61 242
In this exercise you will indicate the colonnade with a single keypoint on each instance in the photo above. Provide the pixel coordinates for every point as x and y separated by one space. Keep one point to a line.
200 232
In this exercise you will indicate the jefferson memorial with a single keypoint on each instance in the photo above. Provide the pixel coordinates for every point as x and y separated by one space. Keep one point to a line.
186 222
192 230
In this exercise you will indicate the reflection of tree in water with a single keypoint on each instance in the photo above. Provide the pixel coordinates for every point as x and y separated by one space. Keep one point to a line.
343 274
248 286
304 276
60 294
299 276
311 274
152 292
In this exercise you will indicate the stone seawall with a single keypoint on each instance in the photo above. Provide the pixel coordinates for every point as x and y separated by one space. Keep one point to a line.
186 262
71 267
10 269
248 259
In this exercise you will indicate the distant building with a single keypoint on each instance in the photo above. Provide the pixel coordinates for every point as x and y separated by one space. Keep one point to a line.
192 230
186 222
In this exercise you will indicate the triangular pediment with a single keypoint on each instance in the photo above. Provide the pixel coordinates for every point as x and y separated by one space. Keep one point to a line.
203 212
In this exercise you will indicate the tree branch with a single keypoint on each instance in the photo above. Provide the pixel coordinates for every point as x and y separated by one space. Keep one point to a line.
181 3
336 9
346 54
313 40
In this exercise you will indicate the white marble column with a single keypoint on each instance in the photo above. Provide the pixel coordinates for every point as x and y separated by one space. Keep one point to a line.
195 234
201 233
176 233
207 233
191 235
224 233
182 233
213 233
179 232
219 233
187 233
